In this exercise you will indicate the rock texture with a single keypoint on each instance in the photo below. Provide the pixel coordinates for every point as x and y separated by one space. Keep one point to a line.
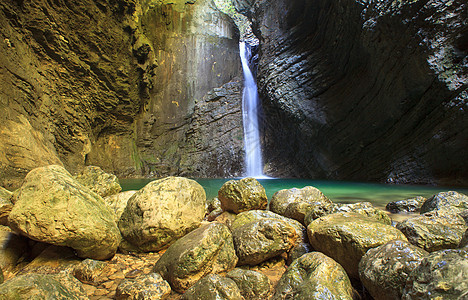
446 201
242 195
150 286
407 205
100 182
213 287
252 284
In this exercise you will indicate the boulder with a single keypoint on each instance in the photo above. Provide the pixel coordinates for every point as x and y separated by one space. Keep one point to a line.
407 205
100 182
441 275
366 209
346 237
42 286
213 287
160 213
89 271
383 270
208 249
118 202
435 230
446 200
241 195
252 284
54 208
314 276
147 286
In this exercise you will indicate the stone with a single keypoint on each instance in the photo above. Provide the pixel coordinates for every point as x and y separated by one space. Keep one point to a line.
54 208
252 285
42 286
407 205
143 287
5 205
346 237
366 209
441 275
213 204
208 249
241 195
100 182
160 213
118 202
464 241
213 287
89 271
383 270
435 230
4 193
314 276
446 200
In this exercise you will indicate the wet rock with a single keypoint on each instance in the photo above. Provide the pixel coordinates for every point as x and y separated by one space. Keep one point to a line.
314 276
446 200
383 270
54 208
407 205
118 202
366 209
435 230
213 287
208 249
346 237
252 284
441 275
241 195
161 212
143 287
89 270
100 182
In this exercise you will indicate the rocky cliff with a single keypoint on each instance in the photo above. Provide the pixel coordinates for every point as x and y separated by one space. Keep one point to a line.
364 90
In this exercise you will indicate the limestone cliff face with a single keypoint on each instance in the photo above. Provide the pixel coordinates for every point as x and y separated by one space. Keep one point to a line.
364 90
107 82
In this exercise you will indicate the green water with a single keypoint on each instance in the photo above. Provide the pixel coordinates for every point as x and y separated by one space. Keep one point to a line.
338 191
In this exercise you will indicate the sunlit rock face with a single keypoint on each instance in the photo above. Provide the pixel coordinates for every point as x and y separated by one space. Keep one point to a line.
364 90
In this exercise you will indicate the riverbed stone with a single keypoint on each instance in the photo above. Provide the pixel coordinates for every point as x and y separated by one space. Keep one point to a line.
406 205
143 287
383 270
160 213
346 237
89 270
314 276
441 275
54 208
118 202
100 182
252 284
208 249
435 230
366 209
213 287
450 200
241 195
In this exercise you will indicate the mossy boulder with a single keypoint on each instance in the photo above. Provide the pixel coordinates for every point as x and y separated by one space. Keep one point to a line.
208 249
53 207
446 200
160 213
366 209
314 276
213 287
346 237
435 230
252 284
100 182
383 270
241 195
147 286
118 202
406 205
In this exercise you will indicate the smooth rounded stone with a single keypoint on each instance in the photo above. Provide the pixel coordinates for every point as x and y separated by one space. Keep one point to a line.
241 195
144 287
54 208
100 182
407 205
118 202
366 209
296 203
252 284
89 270
383 270
441 275
435 230
314 276
160 213
445 200
213 287
208 249
346 237
42 286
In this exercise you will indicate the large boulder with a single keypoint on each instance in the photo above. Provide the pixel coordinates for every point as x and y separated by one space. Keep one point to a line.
161 212
346 237
146 286
213 287
406 205
241 195
208 249
383 270
314 276
98 181
446 200
441 275
252 284
118 202
366 209
435 230
54 208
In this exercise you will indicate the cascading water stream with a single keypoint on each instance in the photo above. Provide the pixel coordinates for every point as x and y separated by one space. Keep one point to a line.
250 105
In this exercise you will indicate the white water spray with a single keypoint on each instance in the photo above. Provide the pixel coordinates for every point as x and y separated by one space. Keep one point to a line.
250 105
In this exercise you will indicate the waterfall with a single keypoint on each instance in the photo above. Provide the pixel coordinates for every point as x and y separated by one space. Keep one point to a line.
250 105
